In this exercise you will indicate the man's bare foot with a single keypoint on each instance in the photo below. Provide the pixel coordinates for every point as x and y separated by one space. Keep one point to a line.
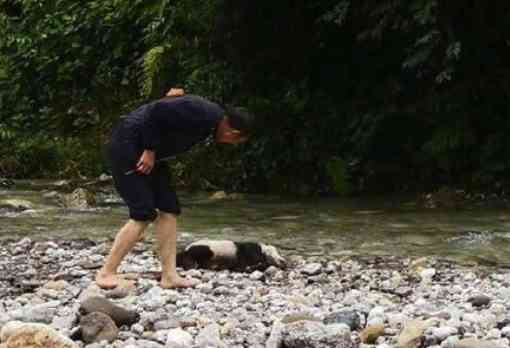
107 280
179 282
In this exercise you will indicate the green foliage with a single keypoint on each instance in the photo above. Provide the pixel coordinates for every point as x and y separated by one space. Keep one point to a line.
64 58
155 62
410 91
336 169
39 156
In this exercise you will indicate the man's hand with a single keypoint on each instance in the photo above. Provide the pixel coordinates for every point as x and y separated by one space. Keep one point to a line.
175 92
146 162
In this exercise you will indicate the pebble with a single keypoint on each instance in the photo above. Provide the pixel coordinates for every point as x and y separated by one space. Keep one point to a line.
479 301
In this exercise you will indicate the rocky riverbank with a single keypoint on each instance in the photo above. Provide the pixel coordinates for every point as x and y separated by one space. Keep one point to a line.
367 302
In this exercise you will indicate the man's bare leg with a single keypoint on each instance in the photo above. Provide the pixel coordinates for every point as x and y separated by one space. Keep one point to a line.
166 234
125 240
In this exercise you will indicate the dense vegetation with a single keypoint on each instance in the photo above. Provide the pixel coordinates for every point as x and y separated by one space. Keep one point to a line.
365 95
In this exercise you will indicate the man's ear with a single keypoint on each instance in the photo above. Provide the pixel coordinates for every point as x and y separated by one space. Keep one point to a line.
175 92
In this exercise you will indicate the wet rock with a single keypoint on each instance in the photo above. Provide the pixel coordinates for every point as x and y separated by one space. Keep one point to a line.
96 327
15 205
78 199
371 333
311 334
479 300
119 315
105 178
23 335
218 195
6 183
347 317
50 195
62 183
178 338
443 197
223 195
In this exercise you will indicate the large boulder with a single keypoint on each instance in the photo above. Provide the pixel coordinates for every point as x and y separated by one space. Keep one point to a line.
78 199
15 205
16 334
120 316
97 327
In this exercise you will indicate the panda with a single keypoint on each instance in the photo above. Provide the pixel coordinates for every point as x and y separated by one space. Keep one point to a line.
226 254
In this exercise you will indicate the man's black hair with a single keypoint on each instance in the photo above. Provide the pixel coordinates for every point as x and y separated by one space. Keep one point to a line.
240 119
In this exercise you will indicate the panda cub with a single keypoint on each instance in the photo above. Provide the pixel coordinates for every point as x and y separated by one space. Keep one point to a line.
226 254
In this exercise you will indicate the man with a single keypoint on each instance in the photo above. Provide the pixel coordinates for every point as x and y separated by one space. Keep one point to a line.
139 145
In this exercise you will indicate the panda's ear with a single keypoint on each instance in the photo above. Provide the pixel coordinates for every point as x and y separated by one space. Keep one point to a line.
197 256
249 254
200 252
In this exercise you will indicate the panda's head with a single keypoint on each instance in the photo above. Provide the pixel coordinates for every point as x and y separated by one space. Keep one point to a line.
272 256
193 256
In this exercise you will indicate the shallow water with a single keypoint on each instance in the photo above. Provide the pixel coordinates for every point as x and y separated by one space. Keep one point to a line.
318 226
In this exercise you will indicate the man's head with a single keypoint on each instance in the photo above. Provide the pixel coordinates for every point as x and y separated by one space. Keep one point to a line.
235 127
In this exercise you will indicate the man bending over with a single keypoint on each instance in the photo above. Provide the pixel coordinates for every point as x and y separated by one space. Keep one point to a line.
139 145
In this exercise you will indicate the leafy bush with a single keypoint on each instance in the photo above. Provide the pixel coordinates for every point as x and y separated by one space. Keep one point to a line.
35 157
413 93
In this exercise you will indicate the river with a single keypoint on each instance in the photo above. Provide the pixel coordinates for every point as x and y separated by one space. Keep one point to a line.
309 227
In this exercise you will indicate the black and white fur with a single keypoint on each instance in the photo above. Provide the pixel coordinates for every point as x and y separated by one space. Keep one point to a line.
226 254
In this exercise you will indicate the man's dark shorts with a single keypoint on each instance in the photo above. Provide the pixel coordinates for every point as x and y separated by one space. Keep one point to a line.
143 194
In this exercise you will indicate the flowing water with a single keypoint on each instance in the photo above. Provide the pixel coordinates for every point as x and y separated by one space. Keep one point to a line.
318 226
